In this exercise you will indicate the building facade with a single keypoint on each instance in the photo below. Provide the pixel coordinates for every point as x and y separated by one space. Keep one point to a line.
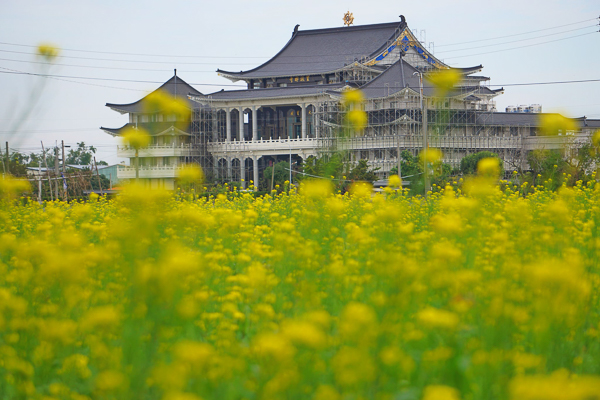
291 108
170 136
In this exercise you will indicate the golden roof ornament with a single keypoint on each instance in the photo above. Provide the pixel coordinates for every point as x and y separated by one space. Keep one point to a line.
348 18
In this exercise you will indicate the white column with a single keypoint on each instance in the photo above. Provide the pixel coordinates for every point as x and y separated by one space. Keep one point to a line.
255 170
229 175
216 167
315 122
254 123
241 124
243 170
303 120
228 124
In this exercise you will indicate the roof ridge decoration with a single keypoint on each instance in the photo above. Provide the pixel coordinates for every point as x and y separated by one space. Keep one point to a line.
405 40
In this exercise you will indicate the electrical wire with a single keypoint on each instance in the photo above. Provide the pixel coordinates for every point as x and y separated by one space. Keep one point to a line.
522 47
515 41
518 34
16 72
279 57
258 57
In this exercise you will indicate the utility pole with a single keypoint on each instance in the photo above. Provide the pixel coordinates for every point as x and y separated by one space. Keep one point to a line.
7 160
98 174
63 156
56 174
272 174
39 182
425 147
47 170
424 132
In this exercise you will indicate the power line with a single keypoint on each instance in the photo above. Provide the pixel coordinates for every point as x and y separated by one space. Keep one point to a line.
517 34
279 63
259 57
94 66
522 47
516 41
379 87
132 54
15 72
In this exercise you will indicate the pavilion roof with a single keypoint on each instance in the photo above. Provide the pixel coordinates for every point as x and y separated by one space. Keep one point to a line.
323 50
153 128
175 86
278 92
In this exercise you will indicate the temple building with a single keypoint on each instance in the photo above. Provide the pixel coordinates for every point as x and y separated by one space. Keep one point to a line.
171 140
291 109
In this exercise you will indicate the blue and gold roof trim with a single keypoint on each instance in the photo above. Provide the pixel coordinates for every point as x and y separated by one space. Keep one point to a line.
406 40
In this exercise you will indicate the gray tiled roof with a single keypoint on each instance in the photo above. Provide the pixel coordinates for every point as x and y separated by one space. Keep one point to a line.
398 76
323 50
401 74
513 119
153 128
273 92
592 123
175 86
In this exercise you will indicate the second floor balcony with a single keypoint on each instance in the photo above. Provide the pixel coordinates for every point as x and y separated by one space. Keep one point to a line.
172 150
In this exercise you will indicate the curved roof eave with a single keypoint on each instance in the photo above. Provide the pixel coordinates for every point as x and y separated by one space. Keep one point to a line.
117 131
239 75
234 78
230 73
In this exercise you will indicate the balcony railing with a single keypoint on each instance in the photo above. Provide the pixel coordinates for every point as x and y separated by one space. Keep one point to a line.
169 171
181 150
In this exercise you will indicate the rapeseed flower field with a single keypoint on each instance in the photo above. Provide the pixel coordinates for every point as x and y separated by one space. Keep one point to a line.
308 294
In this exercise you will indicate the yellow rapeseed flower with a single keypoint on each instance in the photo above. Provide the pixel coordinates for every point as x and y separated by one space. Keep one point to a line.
436 318
316 188
190 173
357 119
596 138
555 124
444 80
353 96
394 181
489 167
440 392
432 155
136 138
48 51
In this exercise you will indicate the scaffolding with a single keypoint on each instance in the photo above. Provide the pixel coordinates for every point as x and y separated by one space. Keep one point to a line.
456 126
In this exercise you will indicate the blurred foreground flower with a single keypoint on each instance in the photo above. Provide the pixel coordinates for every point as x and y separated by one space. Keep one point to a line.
353 96
316 188
440 392
489 167
11 187
48 51
395 181
191 174
136 138
161 101
555 124
361 189
444 80
431 155
596 138
357 119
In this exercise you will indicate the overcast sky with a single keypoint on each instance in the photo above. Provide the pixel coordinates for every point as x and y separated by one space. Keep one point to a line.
516 42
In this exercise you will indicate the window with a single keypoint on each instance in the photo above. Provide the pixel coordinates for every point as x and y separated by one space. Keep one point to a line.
256 85
282 85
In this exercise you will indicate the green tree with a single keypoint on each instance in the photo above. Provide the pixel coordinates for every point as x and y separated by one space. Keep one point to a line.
361 172
547 166
468 165
282 174
82 155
